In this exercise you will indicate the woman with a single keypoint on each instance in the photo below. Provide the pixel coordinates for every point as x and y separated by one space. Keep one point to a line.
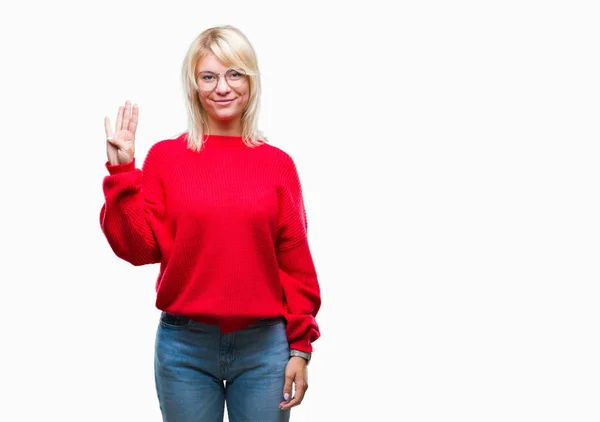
222 212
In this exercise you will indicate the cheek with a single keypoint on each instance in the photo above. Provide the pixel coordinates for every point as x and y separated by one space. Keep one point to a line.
203 101
245 100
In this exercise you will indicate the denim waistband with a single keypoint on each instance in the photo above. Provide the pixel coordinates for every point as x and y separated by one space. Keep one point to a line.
182 320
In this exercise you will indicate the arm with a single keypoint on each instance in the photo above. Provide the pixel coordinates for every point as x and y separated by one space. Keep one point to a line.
132 215
296 268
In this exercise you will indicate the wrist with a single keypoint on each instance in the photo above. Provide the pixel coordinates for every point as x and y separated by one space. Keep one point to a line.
298 353
115 168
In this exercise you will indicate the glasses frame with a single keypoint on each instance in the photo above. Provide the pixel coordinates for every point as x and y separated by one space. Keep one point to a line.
241 70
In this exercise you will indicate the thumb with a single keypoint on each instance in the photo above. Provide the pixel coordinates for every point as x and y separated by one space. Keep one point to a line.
118 143
287 387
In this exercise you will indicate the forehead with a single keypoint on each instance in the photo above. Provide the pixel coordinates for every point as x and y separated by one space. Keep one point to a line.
210 62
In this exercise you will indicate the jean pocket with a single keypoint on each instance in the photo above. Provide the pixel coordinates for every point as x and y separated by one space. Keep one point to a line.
173 321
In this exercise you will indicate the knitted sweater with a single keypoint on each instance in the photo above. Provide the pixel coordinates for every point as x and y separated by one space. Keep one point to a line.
228 227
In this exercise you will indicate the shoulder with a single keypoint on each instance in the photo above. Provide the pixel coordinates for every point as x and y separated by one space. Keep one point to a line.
278 156
160 154
169 144
166 147
282 165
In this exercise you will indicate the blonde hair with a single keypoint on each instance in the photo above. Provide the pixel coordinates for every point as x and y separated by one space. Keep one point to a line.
232 48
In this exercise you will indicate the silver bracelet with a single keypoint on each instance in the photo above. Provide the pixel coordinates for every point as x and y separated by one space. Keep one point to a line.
305 355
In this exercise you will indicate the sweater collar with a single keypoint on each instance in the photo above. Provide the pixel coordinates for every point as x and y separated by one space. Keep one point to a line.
224 140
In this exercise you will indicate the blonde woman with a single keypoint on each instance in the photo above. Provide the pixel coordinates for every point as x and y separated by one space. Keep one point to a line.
222 211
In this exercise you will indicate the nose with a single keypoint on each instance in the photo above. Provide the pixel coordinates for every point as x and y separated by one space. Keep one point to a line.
222 85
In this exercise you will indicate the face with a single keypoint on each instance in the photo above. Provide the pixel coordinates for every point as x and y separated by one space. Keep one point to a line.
224 104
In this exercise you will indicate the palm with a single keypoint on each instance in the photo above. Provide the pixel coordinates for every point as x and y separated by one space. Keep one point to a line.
120 147
121 155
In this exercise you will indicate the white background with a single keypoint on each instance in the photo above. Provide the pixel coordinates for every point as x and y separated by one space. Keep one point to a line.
448 153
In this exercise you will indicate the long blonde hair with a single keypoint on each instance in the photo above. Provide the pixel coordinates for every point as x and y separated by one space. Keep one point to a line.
232 48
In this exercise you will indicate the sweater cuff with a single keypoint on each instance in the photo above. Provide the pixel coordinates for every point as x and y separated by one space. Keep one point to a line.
120 168
304 345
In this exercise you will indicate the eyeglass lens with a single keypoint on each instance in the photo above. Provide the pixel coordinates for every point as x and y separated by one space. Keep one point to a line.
208 80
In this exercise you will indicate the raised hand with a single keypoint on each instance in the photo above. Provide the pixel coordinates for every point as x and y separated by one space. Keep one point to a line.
120 146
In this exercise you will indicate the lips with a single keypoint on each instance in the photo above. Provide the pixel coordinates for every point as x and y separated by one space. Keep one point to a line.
224 102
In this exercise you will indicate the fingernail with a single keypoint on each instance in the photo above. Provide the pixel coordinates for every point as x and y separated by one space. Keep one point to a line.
286 396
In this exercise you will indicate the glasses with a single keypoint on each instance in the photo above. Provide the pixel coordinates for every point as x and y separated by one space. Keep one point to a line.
235 77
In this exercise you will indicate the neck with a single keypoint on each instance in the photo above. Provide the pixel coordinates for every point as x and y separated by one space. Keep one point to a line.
225 127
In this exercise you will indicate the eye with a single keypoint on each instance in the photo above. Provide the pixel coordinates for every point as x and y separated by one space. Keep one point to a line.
234 74
207 77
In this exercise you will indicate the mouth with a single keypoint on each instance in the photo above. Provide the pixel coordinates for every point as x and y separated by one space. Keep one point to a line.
224 102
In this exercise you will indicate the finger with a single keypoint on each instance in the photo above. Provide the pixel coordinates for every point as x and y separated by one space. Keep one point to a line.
107 128
298 396
126 115
119 119
134 119
287 387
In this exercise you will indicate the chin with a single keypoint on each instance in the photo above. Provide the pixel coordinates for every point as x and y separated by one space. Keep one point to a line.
225 116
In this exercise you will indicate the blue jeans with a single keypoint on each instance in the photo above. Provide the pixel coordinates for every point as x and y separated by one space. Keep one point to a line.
198 370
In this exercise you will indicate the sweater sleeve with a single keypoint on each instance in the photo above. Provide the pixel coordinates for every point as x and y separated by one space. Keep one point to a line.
296 268
133 213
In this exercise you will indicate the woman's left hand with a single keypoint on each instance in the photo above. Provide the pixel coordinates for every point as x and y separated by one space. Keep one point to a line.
296 373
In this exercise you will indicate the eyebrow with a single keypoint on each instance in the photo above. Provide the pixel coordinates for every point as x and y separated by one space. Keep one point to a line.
230 67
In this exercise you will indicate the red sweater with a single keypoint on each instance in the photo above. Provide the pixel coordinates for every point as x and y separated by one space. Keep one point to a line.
228 227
